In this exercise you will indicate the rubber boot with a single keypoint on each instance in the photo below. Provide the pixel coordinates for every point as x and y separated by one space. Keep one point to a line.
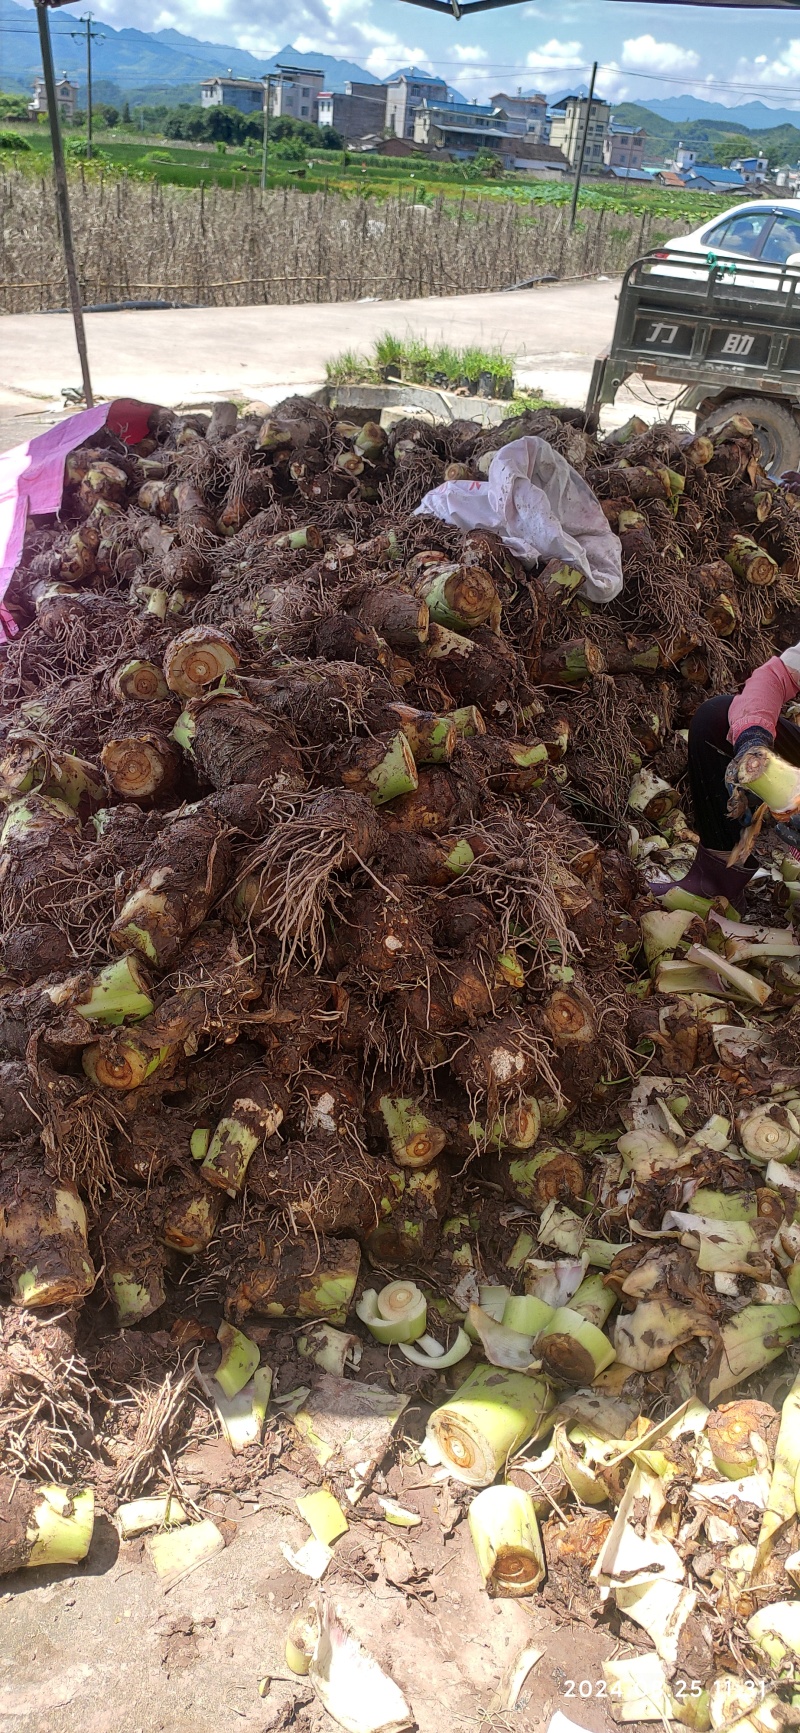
708 876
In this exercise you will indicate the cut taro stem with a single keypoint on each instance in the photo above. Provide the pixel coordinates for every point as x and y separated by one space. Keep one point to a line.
432 738
239 1360
141 767
120 990
252 1115
43 1525
507 1542
651 796
301 1641
133 1299
774 781
594 1300
460 597
43 1239
781 1503
747 560
141 682
569 664
745 984
401 619
729 1435
199 658
381 769
572 1350
397 1314
492 1414
523 1312
122 1063
752 1339
190 1221
771 1133
414 1139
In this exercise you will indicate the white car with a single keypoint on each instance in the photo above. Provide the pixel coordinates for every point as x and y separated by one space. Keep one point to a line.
768 230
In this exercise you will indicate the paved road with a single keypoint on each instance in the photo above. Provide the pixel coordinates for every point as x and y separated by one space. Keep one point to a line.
262 352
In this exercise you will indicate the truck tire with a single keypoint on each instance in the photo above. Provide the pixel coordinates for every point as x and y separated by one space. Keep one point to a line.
777 431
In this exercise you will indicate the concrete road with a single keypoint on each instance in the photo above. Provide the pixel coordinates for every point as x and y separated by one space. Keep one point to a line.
189 357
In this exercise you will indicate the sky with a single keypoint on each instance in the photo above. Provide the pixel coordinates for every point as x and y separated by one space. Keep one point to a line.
644 50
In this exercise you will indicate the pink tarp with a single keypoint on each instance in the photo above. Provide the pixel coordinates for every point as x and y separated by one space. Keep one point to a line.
32 476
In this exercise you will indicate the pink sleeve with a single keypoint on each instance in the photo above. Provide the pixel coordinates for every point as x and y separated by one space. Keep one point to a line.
762 698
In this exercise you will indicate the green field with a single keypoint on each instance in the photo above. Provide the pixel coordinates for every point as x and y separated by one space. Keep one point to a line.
124 151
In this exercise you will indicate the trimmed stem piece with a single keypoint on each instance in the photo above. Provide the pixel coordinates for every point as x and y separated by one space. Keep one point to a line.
507 1542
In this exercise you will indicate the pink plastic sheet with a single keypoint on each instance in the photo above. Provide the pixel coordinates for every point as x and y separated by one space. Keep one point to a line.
32 476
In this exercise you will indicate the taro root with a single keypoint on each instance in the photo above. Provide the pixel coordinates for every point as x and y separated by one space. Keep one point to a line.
18 1116
229 741
412 1206
396 615
133 1261
275 1277
253 1111
44 1254
43 1525
199 658
181 876
141 768
534 1179
319 1187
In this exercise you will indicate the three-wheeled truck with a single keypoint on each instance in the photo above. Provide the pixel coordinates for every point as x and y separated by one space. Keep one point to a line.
725 333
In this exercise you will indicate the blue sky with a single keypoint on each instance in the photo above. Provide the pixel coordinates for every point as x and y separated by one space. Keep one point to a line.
726 55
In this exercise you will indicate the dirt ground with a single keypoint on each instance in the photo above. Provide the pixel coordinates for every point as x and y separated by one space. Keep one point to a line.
101 1648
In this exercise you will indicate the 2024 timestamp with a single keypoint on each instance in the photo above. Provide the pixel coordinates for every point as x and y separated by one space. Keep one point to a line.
680 1688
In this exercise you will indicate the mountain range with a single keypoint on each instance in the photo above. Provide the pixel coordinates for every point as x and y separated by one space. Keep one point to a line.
753 115
136 60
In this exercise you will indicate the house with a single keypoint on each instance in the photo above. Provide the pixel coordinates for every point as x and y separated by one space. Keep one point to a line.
463 128
295 91
530 109
405 94
357 110
66 97
685 158
645 176
667 177
753 169
246 94
567 121
623 147
533 156
708 177
788 177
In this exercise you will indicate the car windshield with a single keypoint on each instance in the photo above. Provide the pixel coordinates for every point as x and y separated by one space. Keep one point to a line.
782 240
740 234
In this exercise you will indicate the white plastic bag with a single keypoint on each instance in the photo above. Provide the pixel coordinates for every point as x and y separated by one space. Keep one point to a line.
541 508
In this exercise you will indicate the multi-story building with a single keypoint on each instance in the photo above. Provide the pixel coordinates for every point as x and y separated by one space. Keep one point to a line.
685 158
246 94
623 147
568 118
295 91
405 95
531 110
462 128
66 97
753 169
355 112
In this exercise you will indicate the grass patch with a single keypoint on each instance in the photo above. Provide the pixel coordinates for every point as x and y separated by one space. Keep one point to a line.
409 361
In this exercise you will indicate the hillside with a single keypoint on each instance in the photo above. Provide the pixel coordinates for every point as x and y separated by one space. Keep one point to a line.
780 142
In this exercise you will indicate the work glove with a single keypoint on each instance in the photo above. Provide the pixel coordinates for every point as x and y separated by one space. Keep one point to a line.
789 834
737 797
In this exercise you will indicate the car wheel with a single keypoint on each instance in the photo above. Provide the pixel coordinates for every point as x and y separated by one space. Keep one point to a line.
776 429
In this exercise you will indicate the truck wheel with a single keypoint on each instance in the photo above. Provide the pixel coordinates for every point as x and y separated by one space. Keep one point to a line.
776 429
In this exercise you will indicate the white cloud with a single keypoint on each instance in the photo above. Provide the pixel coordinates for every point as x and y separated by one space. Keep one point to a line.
468 56
645 54
557 63
782 71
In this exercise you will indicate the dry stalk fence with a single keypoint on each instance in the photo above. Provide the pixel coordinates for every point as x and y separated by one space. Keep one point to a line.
138 240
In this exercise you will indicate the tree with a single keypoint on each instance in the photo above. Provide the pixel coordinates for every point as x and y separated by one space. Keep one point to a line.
486 166
732 147
126 114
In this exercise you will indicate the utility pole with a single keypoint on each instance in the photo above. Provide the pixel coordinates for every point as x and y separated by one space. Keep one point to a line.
91 36
582 151
62 196
265 144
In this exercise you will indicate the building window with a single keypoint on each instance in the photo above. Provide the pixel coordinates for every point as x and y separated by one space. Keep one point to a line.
304 109
305 91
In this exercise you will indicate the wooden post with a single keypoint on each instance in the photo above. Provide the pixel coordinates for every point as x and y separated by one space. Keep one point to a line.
62 197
